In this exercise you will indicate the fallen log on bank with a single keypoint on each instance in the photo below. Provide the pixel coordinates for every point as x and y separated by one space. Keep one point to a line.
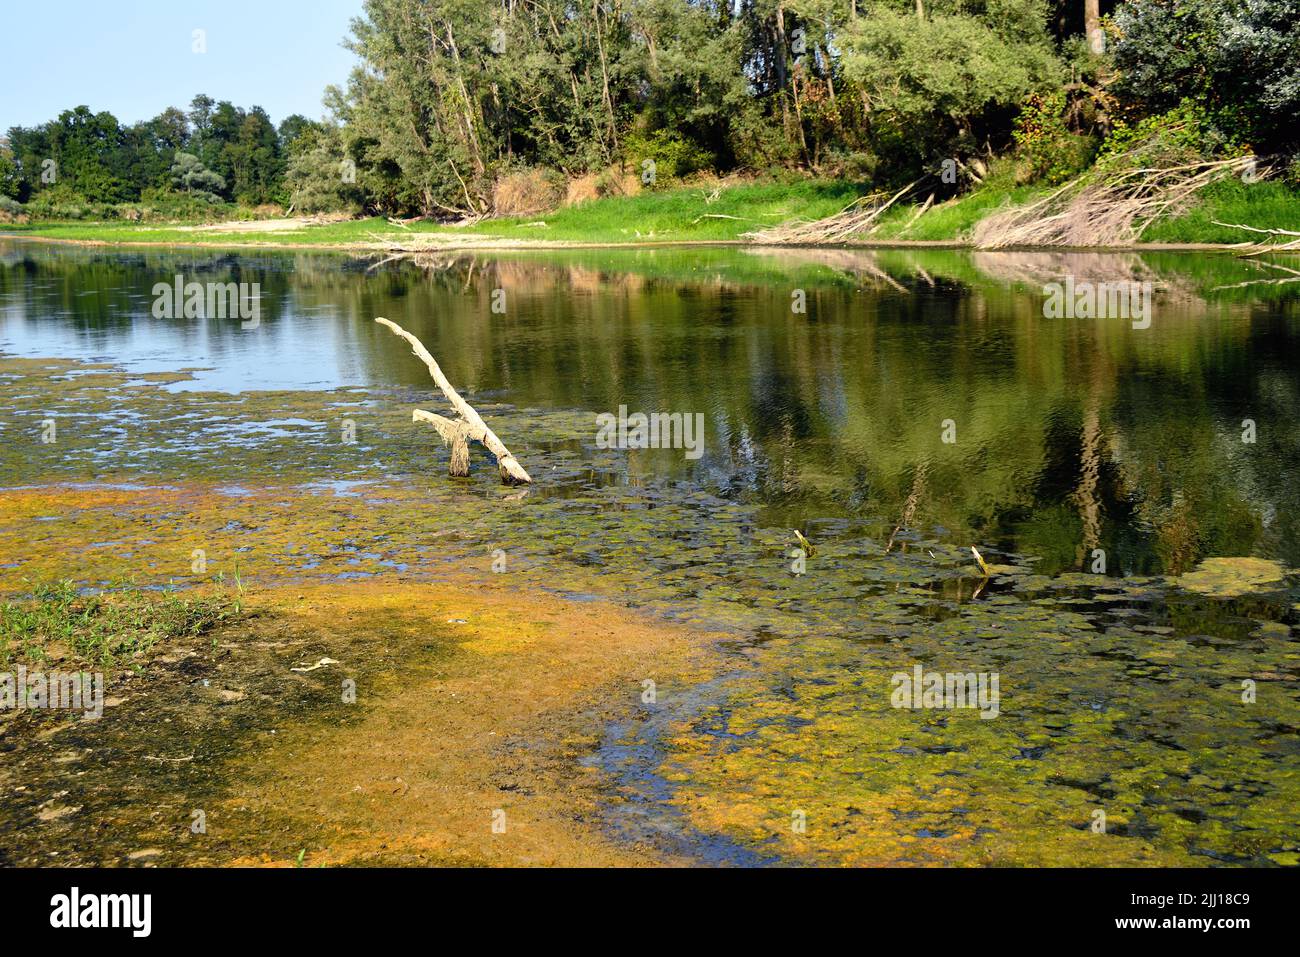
470 427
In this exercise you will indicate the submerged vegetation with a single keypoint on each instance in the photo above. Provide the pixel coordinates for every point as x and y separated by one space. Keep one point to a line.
1123 690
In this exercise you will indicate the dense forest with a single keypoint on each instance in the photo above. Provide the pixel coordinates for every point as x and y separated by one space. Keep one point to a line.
457 103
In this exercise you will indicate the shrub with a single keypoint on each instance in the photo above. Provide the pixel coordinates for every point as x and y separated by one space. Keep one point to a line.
674 156
190 175
1182 134
1238 60
525 192
1047 150
166 205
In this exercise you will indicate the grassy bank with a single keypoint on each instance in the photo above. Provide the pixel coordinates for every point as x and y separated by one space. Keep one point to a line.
697 214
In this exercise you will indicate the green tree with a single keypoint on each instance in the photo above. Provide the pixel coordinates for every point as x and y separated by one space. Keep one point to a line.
192 177
321 177
950 83
1239 60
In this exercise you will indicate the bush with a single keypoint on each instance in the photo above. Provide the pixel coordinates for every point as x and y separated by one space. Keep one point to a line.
1185 133
1046 149
189 174
949 84
166 205
673 155
857 165
526 192
326 179
63 202
1238 60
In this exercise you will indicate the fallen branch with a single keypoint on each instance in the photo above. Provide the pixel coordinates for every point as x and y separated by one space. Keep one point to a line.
455 433
858 217
919 213
1256 229
1105 206
475 428
1255 249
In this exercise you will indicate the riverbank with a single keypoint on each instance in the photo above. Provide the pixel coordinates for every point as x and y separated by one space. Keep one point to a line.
686 216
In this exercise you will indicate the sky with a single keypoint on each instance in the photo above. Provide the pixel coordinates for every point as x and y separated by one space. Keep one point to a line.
134 58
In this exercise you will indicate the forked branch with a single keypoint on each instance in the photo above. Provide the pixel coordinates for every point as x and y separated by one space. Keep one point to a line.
460 433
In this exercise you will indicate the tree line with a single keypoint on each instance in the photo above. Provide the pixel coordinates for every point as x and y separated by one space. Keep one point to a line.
213 152
452 96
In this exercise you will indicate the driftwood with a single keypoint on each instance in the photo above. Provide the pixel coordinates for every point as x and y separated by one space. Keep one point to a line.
858 218
460 433
1283 240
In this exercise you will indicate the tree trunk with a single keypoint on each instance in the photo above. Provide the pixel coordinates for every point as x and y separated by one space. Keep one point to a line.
1091 26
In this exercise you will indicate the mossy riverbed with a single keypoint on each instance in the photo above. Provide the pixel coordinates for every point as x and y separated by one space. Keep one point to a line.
501 640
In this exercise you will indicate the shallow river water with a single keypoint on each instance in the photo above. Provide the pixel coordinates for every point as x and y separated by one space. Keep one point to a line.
1132 486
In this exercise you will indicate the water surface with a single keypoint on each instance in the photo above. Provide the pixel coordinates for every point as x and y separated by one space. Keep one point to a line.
1097 465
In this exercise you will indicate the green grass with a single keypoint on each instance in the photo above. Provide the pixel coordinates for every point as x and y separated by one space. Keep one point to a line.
682 214
59 622
1269 205
952 220
697 214
687 213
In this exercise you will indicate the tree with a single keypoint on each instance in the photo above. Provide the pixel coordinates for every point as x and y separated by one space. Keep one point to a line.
190 175
321 177
297 133
10 174
1092 27
252 158
1198 50
951 83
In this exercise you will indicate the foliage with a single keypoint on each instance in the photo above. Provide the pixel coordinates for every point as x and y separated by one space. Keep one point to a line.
321 177
1238 60
91 159
1049 152
673 154
1183 134
451 99
190 175
948 84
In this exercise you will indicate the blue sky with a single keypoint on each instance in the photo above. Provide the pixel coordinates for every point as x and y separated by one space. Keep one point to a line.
134 57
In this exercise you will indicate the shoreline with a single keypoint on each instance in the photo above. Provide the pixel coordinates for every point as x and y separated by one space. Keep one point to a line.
560 245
